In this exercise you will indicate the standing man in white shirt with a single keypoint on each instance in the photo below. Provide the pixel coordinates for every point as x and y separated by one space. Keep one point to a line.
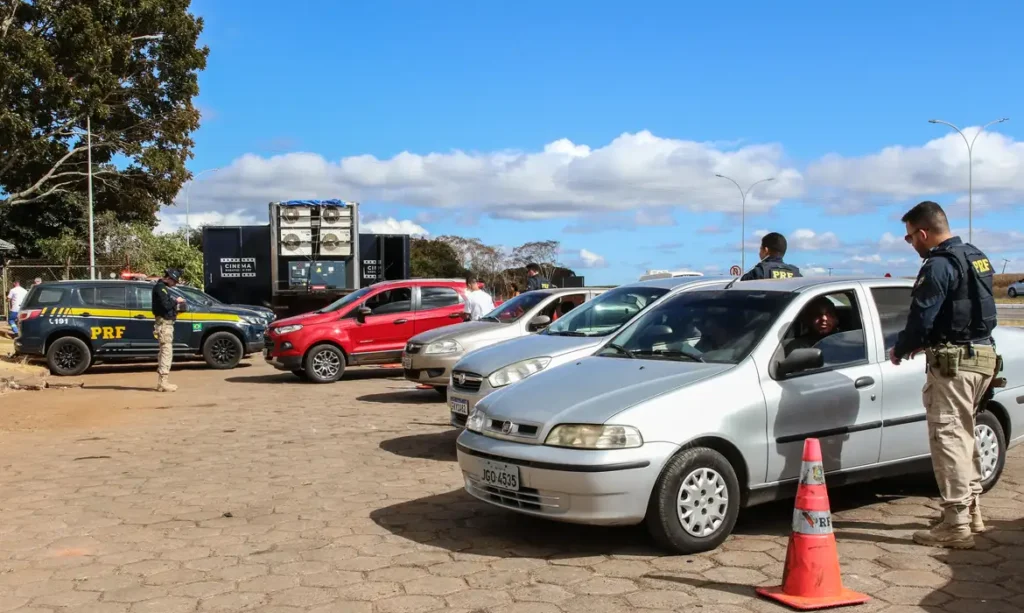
14 299
478 302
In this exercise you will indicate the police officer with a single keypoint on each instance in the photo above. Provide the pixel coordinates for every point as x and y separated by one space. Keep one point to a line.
534 279
165 312
771 266
952 314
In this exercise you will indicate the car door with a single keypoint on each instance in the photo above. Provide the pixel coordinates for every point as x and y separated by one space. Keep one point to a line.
142 323
555 306
839 403
105 309
388 326
904 426
437 306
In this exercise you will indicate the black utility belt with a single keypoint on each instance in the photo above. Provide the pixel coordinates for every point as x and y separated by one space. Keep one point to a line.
982 341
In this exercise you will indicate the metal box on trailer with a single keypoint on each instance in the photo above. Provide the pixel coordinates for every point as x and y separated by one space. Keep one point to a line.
305 234
237 263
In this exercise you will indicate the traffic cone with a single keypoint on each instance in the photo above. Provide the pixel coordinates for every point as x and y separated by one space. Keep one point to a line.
811 579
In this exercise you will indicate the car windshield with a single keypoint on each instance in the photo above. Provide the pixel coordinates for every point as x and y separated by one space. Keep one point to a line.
605 313
700 326
344 301
515 308
197 296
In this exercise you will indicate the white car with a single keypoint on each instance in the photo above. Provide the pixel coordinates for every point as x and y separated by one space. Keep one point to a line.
1016 289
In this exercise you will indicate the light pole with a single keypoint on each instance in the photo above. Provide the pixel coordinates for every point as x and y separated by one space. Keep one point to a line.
743 215
188 190
970 170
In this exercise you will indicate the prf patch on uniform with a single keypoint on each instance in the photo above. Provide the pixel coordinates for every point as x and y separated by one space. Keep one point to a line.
982 265
197 327
781 274
106 332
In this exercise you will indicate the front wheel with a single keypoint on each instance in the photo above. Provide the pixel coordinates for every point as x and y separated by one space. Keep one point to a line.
324 364
68 356
222 350
695 502
1012 292
990 441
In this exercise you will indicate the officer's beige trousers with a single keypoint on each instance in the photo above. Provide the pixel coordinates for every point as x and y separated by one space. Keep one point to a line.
951 405
163 329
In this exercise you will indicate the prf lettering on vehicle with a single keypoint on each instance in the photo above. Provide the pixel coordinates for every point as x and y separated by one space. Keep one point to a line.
107 332
781 274
982 265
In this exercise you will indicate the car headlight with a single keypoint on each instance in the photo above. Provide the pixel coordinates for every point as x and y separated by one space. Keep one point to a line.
448 346
254 320
475 421
517 372
288 329
592 436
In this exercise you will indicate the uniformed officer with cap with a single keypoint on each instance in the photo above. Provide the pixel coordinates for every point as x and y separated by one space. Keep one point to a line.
165 312
534 278
771 266
952 315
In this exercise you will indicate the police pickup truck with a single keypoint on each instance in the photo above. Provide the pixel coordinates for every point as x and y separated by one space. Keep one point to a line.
74 324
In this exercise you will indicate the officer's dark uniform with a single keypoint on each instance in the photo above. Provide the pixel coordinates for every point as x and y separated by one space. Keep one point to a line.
772 267
952 315
537 282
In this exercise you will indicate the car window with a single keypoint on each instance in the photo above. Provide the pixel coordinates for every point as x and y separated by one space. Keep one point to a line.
893 304
701 325
515 308
45 297
835 314
112 297
605 313
436 297
563 305
387 302
141 297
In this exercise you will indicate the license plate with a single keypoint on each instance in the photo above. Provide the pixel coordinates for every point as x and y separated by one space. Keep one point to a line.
502 476
406 361
458 405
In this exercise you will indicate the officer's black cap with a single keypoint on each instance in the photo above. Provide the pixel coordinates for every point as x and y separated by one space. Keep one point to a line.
173 273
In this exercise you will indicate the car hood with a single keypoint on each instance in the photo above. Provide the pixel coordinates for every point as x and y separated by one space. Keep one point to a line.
465 331
304 319
593 390
489 359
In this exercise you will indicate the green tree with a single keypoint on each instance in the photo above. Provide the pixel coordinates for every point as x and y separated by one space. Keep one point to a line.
433 258
128 67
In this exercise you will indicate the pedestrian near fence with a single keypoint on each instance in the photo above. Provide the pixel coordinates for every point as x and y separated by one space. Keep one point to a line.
165 313
952 315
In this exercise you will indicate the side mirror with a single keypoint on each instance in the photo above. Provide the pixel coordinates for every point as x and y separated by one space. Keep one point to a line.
361 314
799 360
539 322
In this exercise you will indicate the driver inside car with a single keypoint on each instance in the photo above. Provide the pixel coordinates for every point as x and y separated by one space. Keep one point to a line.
819 320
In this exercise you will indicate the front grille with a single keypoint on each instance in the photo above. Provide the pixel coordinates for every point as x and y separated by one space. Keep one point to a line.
526 498
459 420
524 430
471 383
413 348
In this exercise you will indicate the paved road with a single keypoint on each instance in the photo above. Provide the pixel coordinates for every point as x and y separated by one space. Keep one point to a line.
250 491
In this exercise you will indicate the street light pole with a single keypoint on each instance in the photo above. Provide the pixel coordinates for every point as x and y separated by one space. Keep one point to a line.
188 190
743 215
88 155
970 169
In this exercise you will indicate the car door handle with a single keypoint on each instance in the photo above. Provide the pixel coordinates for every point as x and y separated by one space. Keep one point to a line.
455 316
140 317
401 321
863 382
86 314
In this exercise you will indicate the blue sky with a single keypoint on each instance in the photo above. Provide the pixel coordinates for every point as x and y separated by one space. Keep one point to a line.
651 99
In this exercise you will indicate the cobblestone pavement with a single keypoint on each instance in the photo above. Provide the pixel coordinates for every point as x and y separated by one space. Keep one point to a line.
248 490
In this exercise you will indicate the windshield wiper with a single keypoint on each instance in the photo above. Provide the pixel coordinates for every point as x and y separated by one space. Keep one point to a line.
566 333
489 318
671 354
621 349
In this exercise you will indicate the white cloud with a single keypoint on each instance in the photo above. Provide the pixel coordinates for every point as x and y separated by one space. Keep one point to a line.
390 225
169 222
809 240
583 258
563 179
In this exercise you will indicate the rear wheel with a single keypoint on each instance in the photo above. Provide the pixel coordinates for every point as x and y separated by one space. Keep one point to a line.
695 502
68 356
1013 292
324 364
990 440
222 350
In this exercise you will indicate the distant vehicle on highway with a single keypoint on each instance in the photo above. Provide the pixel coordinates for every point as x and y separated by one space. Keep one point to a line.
1016 289
650 275
699 407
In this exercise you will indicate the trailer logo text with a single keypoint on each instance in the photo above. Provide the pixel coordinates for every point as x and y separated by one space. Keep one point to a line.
237 267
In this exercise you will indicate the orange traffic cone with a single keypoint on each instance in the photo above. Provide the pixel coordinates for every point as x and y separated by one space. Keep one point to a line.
811 579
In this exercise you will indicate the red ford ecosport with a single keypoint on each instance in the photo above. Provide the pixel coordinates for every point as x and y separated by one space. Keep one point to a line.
368 326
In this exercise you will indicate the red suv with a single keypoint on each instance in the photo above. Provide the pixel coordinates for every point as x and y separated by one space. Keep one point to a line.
368 326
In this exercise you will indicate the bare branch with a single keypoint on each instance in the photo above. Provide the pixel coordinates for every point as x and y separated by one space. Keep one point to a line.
56 189
8 21
46 177
148 37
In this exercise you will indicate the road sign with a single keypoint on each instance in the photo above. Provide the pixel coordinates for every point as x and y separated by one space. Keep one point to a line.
735 271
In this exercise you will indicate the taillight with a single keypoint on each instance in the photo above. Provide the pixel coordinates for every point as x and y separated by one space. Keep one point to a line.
23 315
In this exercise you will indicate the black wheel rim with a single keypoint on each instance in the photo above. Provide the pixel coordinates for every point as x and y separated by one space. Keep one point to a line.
67 357
223 351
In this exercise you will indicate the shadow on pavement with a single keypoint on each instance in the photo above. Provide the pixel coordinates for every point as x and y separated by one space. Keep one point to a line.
281 377
177 365
405 395
433 446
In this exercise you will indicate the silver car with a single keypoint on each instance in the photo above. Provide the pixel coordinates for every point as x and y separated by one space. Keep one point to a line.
574 336
700 407
428 357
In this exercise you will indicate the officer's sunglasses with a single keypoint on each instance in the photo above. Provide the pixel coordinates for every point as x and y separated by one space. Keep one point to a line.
910 237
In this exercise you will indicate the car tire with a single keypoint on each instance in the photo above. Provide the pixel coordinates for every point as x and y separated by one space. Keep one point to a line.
324 364
697 466
1012 292
443 390
990 440
222 350
68 356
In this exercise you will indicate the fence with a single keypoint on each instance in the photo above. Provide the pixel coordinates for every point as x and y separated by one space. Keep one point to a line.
26 274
